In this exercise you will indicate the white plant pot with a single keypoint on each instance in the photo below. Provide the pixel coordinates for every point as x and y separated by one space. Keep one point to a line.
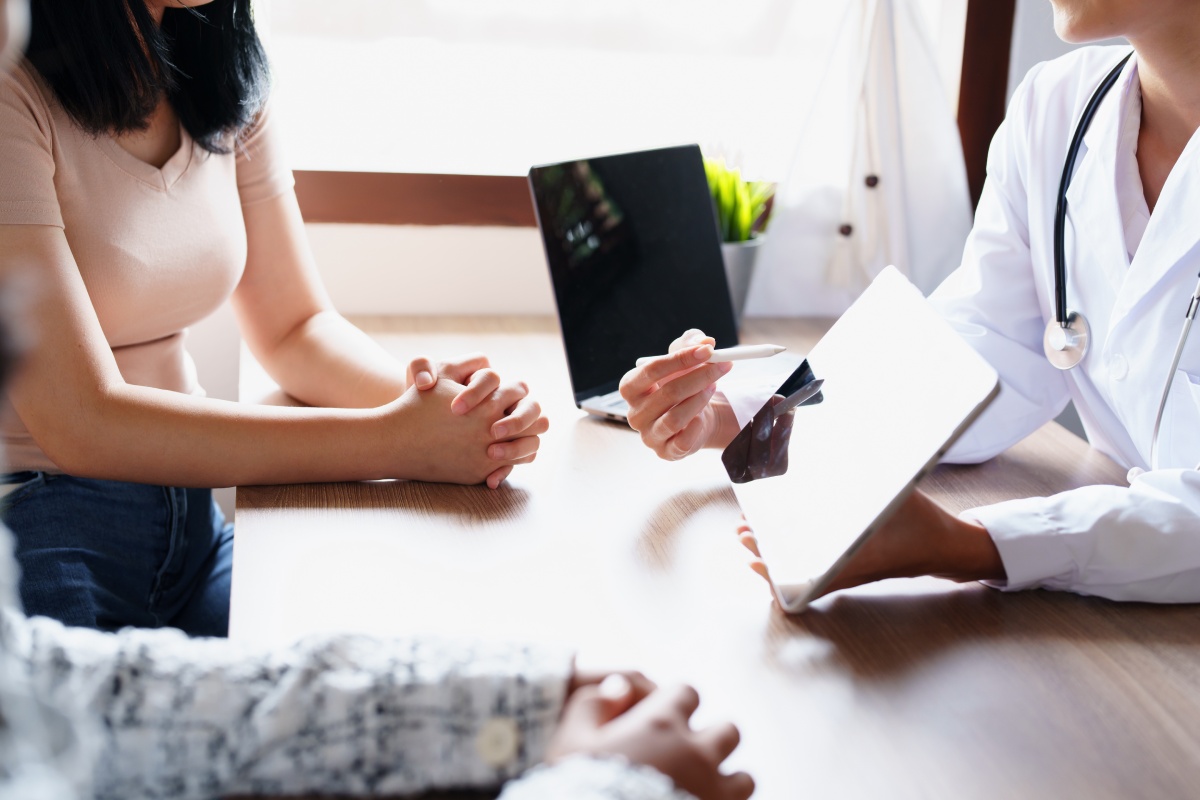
739 269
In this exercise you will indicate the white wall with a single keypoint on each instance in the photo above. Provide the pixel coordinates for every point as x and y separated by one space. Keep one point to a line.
411 269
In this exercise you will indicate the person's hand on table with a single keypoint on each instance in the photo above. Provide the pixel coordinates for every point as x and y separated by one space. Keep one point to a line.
515 434
627 715
673 400
441 445
921 538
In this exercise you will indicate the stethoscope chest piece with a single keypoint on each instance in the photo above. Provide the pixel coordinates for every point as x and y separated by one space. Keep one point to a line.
1066 345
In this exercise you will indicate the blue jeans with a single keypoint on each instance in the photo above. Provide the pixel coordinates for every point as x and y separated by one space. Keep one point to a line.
109 554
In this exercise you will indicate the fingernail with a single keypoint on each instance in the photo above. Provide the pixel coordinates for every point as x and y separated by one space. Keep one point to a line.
496 452
458 407
424 378
614 687
725 366
499 431
704 353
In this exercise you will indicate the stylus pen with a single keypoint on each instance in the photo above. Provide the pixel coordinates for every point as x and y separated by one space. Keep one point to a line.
740 353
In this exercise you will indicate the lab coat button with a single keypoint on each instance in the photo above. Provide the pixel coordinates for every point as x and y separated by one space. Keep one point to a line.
1118 367
1134 474
498 741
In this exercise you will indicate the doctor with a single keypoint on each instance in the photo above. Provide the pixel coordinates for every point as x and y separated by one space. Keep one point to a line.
1132 255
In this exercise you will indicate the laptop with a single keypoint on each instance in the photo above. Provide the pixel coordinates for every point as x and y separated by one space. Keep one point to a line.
817 473
634 254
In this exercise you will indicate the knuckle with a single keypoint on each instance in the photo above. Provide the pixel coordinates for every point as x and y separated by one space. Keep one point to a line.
674 392
661 723
676 419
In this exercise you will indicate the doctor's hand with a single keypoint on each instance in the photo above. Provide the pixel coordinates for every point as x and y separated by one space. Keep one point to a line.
673 400
921 538
653 731
515 434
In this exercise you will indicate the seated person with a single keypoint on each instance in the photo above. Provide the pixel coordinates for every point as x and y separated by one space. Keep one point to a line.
141 176
142 714
1132 261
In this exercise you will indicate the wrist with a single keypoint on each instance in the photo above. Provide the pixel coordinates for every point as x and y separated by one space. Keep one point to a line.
381 454
723 426
968 552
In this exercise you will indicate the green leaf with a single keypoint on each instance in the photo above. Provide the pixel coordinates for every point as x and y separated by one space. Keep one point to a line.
743 208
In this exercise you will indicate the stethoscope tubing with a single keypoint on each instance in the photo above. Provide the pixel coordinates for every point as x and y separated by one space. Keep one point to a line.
1061 314
1188 319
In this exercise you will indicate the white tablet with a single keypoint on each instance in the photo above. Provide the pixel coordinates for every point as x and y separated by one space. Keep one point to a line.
815 479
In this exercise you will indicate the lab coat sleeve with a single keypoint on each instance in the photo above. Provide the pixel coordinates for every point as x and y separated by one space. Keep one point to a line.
1137 543
345 715
992 299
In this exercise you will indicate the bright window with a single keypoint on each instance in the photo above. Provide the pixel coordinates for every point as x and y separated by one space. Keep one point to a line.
490 87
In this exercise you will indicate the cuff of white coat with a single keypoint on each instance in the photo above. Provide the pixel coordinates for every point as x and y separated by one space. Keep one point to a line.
1030 543
590 778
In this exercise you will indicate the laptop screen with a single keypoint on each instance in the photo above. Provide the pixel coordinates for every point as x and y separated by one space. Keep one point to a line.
634 257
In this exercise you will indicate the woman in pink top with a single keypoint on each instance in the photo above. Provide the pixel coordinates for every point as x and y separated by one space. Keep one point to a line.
139 172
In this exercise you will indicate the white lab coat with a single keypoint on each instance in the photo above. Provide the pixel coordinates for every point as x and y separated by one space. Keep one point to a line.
1140 542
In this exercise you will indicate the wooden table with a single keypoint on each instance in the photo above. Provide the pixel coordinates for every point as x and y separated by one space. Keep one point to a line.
918 688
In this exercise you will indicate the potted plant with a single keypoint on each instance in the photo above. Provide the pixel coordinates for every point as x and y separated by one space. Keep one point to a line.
743 211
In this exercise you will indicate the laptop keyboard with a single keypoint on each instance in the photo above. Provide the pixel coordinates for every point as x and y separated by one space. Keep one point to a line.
611 403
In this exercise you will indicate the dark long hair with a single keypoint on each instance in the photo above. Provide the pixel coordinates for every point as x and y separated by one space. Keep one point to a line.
109 64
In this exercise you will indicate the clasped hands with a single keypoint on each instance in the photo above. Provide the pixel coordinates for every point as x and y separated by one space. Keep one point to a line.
478 427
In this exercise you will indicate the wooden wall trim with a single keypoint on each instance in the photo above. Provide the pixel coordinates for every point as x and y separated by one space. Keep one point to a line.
983 88
395 198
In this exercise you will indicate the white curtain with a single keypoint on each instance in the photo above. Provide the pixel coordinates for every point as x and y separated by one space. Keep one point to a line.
877 177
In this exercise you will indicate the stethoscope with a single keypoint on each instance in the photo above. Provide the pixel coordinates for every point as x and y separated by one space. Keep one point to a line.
1068 334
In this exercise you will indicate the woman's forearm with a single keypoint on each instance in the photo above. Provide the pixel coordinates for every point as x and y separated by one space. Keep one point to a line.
326 361
146 435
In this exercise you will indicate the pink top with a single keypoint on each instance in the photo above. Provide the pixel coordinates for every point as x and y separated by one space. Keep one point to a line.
158 249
